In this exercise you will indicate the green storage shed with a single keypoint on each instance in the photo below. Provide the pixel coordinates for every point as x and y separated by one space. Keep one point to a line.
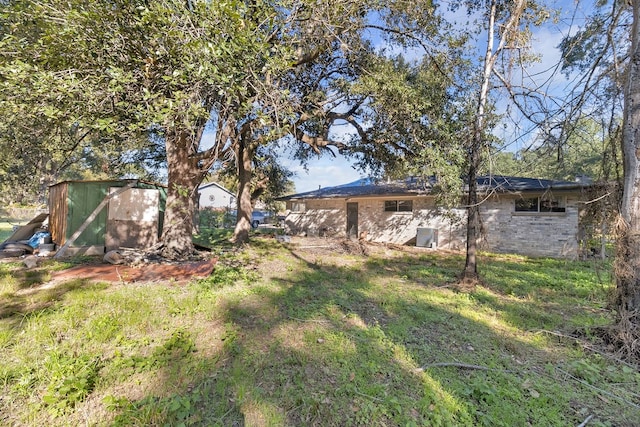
131 216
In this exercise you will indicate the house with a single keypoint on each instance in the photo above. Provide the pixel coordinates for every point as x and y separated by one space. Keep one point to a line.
215 196
110 213
526 216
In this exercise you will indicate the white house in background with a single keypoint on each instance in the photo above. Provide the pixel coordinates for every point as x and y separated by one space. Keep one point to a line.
215 196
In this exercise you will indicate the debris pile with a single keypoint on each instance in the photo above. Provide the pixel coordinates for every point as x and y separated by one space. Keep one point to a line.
333 246
136 257
354 247
30 239
132 257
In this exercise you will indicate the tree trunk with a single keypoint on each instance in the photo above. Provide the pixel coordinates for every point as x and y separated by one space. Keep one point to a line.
196 211
628 249
184 178
244 156
470 272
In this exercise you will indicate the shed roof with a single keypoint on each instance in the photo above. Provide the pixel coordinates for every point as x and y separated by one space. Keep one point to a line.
414 186
109 181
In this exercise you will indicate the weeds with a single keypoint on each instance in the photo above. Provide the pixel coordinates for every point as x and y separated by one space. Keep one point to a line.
71 379
175 410
224 275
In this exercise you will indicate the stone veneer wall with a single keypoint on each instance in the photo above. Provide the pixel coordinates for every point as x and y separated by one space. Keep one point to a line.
537 234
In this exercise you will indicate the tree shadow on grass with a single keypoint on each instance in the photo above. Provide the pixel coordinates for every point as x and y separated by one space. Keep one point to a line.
15 307
546 278
322 364
24 293
327 345
338 353
544 293
346 345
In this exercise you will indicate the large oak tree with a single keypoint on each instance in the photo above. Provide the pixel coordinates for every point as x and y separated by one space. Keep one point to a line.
257 73
168 68
128 68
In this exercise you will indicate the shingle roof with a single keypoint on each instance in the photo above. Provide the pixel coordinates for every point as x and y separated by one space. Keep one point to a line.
214 184
414 186
513 183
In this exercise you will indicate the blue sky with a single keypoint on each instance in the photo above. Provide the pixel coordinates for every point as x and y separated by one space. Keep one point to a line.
324 172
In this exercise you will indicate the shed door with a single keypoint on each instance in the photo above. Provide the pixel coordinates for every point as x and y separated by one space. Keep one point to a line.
352 220
132 221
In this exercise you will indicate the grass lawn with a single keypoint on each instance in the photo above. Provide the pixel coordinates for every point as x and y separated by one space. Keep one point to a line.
313 334
6 228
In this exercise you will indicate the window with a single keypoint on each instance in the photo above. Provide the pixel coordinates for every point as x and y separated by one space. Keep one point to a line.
540 204
398 205
298 206
527 205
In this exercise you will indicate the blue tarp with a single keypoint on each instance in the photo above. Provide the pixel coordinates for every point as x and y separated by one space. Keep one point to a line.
34 241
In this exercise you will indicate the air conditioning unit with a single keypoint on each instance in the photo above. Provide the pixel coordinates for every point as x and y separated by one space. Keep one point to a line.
427 238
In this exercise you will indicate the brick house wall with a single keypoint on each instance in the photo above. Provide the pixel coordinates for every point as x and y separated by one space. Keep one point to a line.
320 218
328 218
401 227
549 234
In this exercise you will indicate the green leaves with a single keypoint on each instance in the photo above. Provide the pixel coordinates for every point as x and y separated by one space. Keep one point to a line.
71 380
115 54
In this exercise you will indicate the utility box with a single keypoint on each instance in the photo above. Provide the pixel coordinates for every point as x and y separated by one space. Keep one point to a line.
427 238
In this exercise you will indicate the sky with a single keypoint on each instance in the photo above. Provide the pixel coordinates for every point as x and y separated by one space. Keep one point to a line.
328 171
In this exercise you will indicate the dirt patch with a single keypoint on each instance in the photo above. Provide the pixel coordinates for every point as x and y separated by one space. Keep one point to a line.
335 247
156 272
329 245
